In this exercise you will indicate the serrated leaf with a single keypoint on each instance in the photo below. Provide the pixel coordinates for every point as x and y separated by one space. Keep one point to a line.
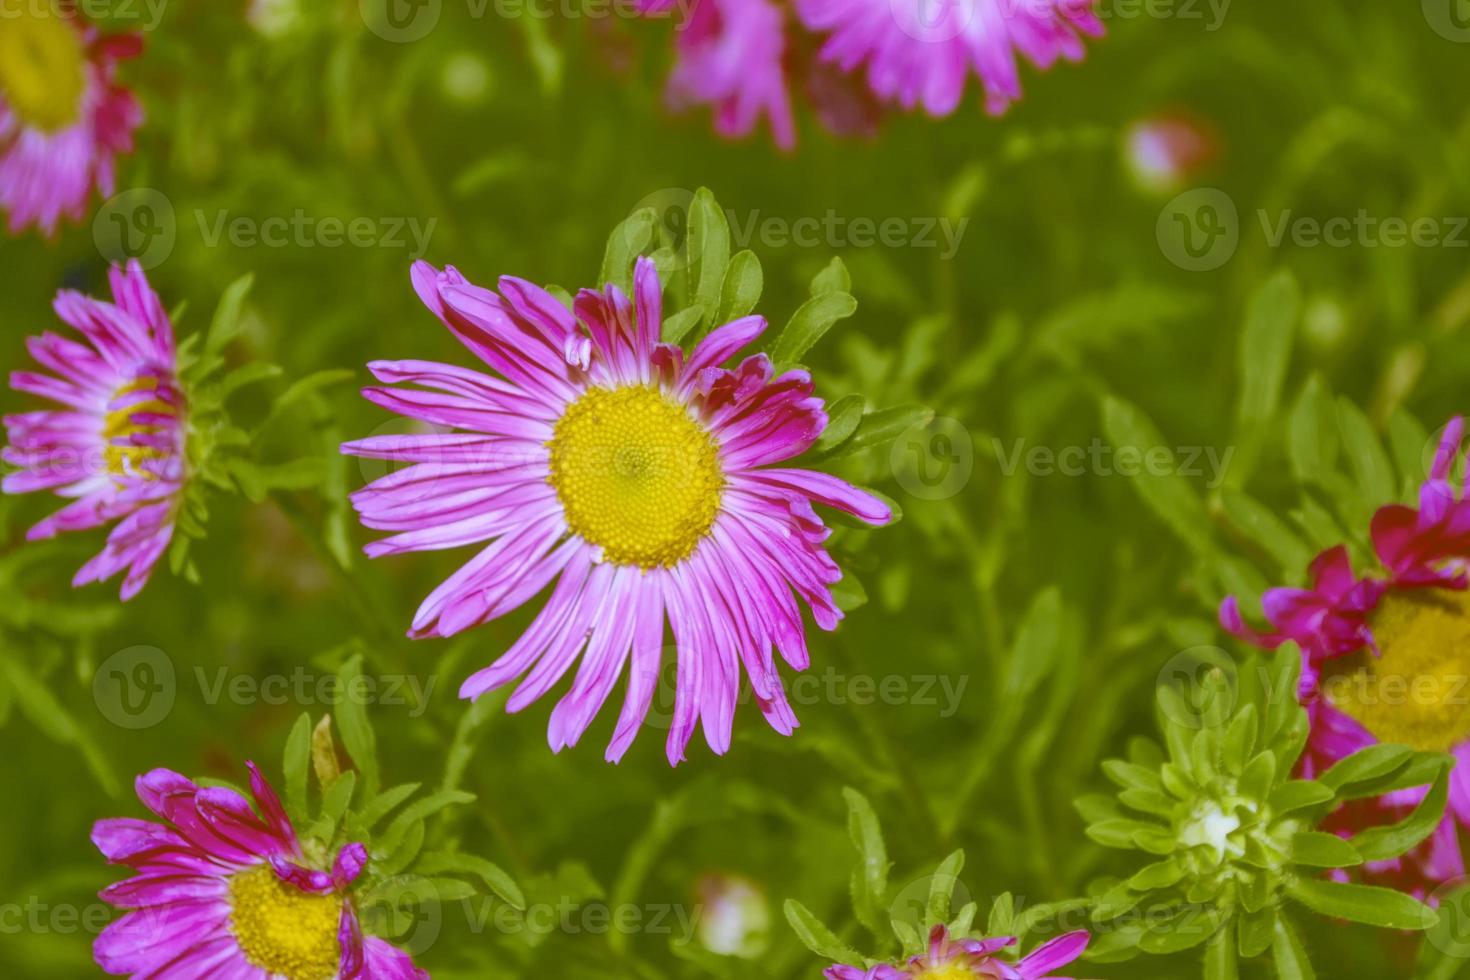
1288 955
1367 904
832 279
809 324
677 327
628 241
1383 843
741 290
815 935
1320 850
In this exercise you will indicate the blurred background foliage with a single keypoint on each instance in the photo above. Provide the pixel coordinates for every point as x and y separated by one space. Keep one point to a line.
1055 600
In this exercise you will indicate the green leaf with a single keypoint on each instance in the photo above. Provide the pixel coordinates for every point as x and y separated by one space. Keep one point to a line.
1256 930
816 936
1312 433
833 279
1299 794
1035 647
1220 959
1265 347
708 247
843 417
1365 765
295 766
1164 490
871 878
808 325
1288 955
1371 470
876 430
1367 904
226 323
1382 843
353 725
383 804
741 290
300 389
1261 525
628 241
1320 850
677 327
942 886
500 883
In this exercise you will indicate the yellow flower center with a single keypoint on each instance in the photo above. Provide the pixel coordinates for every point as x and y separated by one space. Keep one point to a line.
1417 693
42 64
636 474
283 930
127 460
950 971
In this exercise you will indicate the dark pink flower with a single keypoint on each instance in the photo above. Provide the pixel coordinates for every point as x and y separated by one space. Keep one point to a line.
963 959
1385 656
224 889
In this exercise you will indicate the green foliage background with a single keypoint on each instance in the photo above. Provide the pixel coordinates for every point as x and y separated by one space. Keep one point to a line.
1057 600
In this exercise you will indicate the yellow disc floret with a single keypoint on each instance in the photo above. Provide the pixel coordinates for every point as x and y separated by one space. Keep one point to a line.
1417 693
42 64
636 474
127 460
950 971
283 930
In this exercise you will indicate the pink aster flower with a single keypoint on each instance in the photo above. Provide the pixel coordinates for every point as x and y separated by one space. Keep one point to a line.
637 477
973 959
63 118
225 890
1385 656
116 446
730 56
921 52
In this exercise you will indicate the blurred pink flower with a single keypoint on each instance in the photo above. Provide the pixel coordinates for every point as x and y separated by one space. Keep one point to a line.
922 52
63 117
730 57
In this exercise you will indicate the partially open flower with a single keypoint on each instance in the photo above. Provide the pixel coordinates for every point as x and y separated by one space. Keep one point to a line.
224 889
